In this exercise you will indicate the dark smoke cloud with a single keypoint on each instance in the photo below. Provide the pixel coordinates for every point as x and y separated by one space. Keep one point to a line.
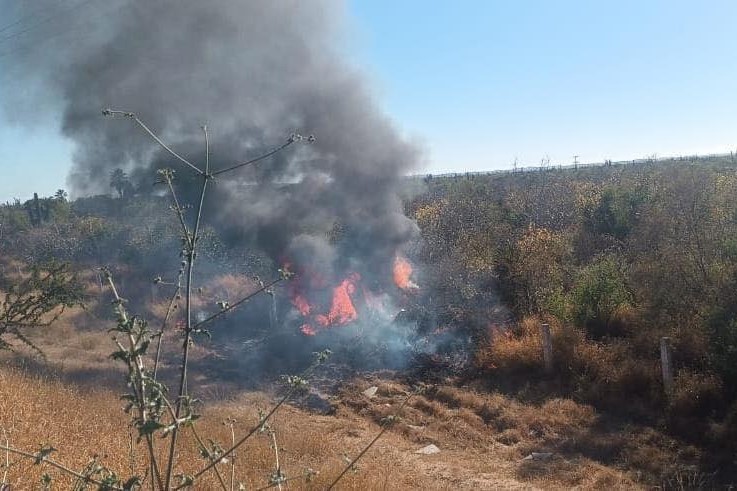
254 72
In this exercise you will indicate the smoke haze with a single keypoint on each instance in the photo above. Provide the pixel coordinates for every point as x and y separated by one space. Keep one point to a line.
254 72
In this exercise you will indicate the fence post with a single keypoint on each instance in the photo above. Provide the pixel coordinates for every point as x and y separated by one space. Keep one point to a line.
666 362
547 347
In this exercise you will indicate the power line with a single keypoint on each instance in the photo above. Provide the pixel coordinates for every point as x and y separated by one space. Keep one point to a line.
20 20
30 45
41 22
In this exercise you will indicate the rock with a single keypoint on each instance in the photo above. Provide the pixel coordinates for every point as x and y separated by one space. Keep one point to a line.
428 450
370 392
539 456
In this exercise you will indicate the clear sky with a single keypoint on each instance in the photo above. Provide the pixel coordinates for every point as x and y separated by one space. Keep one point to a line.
481 82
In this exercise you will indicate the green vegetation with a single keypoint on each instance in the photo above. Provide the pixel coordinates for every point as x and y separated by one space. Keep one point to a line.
614 258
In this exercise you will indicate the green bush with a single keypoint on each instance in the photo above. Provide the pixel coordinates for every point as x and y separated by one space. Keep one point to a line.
600 292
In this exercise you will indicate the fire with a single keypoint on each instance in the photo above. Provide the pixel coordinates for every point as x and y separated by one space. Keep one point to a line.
301 304
308 330
342 311
403 274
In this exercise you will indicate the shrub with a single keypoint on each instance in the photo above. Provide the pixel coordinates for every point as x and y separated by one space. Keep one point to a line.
695 394
600 293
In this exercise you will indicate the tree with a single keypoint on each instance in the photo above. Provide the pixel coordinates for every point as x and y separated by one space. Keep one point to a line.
61 195
37 301
120 182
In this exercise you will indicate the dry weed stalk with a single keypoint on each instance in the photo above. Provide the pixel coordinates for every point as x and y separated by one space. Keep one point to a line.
152 410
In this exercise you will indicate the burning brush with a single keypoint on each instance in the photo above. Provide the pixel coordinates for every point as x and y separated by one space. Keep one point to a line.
340 309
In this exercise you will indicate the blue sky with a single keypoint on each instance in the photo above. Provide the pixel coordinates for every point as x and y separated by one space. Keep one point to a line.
480 83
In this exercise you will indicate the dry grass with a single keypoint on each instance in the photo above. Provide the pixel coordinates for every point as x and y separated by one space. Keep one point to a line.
483 438
72 403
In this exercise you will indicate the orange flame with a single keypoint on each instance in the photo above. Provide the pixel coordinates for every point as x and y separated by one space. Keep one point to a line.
403 273
342 310
308 330
301 304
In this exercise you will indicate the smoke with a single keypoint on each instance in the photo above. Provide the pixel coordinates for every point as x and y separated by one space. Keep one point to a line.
254 72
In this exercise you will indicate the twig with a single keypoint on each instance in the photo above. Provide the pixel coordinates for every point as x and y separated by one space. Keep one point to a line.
276 457
188 332
261 422
7 459
236 304
59 466
111 112
169 310
273 485
140 371
231 423
210 457
385 426
278 149
168 173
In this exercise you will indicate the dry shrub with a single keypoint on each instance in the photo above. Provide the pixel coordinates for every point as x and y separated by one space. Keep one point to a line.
604 372
508 437
610 374
431 408
691 345
561 414
695 394
457 398
516 352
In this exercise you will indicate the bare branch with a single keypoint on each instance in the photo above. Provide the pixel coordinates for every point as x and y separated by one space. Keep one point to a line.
112 112
308 372
169 310
188 332
210 457
385 426
237 304
292 139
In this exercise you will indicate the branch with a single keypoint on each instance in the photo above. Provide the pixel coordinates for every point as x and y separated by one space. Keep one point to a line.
139 371
169 310
385 426
7 460
292 139
210 457
167 175
263 420
238 303
188 332
59 466
113 113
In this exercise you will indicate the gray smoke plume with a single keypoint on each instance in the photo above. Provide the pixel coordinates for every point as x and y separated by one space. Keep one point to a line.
254 72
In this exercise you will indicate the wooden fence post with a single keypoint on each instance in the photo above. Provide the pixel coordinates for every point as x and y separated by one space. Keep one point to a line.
666 362
547 347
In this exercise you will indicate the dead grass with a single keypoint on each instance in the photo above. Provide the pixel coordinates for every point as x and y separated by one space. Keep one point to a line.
483 436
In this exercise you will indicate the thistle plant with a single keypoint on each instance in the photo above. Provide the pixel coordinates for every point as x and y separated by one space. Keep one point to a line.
155 411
